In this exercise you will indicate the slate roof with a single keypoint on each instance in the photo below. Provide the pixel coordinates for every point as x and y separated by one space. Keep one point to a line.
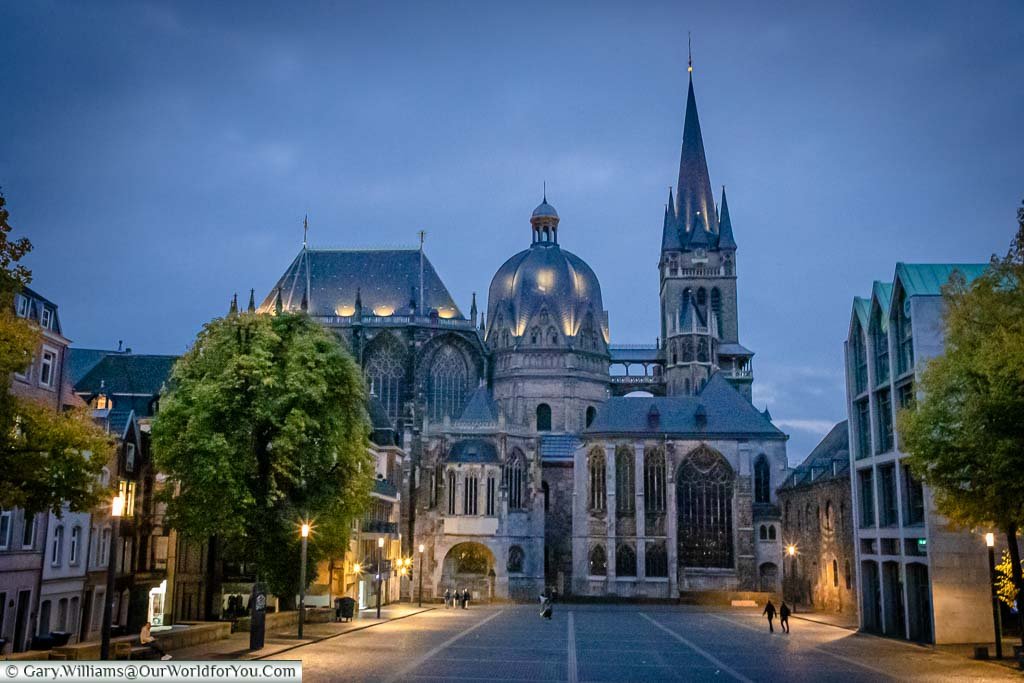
728 414
480 407
830 459
734 349
81 361
385 279
927 279
118 420
634 353
558 447
384 433
693 190
133 380
473 451
725 238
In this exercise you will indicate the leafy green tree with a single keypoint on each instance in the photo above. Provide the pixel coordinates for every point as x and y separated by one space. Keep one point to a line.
265 425
1005 587
47 458
966 435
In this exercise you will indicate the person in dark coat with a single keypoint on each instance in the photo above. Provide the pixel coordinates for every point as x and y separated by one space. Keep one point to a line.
447 598
784 617
465 599
769 611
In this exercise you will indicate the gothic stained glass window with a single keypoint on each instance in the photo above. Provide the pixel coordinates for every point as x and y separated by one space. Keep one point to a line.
762 480
625 492
385 372
716 306
598 561
595 467
705 492
654 481
515 480
448 380
656 560
625 561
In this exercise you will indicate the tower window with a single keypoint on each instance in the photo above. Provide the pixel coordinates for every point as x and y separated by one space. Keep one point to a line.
762 480
590 415
543 418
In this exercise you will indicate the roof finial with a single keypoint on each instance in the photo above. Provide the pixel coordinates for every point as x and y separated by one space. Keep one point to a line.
545 192
689 53
305 229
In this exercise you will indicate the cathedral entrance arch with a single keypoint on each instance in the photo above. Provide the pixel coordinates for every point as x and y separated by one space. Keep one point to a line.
704 501
469 566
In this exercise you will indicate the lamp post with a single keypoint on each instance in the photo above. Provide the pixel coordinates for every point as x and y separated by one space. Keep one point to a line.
380 570
997 617
304 532
421 575
116 510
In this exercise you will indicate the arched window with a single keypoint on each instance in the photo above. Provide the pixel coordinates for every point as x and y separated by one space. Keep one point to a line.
590 415
702 299
625 493
385 372
595 468
762 480
771 532
547 494
535 335
625 561
598 561
543 418
656 560
828 515
702 350
451 492
552 336
654 481
704 504
56 554
515 480
716 305
515 560
448 380
763 533
506 339
835 574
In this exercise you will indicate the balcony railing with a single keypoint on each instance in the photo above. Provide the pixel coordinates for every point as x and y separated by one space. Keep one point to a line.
635 379
396 321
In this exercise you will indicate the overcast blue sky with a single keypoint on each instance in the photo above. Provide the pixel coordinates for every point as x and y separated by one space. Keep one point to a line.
161 156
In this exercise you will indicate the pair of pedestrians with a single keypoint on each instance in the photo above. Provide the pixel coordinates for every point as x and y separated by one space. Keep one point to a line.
783 612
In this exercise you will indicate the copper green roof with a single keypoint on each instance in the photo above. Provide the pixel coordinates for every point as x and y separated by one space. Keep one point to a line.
927 279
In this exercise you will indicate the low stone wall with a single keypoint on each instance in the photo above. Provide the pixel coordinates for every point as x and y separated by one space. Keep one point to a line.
277 621
725 597
197 633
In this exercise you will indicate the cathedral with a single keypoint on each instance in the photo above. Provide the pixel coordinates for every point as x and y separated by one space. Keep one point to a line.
536 459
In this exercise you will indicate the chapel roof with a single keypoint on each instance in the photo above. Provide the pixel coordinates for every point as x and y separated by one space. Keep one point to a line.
830 459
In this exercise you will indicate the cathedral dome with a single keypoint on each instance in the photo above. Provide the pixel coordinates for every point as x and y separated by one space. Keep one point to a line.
546 296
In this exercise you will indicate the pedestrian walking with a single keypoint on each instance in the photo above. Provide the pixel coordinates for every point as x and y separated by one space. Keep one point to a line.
784 617
447 598
465 599
769 611
545 606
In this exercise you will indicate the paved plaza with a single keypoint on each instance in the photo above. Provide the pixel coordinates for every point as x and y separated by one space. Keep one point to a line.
621 643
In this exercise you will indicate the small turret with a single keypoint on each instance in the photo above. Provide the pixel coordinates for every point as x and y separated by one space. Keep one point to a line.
545 223
233 309
725 238
252 301
472 308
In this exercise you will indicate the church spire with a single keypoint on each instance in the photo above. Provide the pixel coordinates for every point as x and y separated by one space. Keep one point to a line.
252 301
472 308
670 230
694 186
725 238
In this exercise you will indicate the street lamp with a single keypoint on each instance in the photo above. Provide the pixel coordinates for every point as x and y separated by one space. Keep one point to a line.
997 617
791 550
116 510
380 574
304 532
421 574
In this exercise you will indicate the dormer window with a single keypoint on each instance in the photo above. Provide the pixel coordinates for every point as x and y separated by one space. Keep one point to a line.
46 320
101 402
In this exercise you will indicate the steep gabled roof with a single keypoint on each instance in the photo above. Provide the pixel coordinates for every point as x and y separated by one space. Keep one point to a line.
927 279
127 374
387 279
830 459
480 407
726 413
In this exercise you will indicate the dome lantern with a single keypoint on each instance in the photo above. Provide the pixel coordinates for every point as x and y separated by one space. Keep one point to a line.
545 223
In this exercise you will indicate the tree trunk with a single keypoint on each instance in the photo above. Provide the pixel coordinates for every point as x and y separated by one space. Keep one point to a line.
1018 580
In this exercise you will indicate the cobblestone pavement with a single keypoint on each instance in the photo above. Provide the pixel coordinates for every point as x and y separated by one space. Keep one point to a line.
621 643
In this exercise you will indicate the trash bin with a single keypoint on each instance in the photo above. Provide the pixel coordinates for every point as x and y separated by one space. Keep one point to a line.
337 609
348 608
